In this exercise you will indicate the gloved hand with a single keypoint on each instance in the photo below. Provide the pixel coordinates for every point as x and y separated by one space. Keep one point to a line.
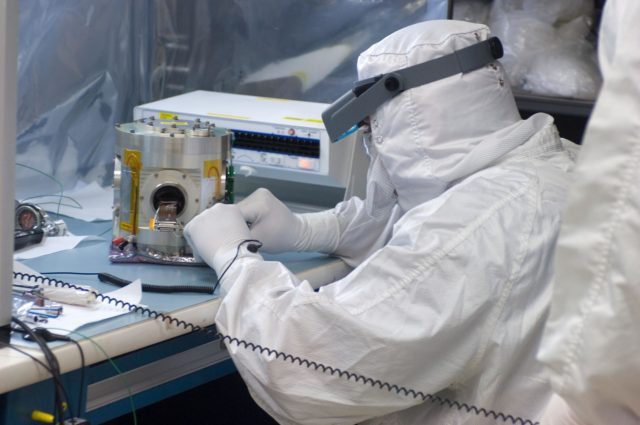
271 221
280 230
215 234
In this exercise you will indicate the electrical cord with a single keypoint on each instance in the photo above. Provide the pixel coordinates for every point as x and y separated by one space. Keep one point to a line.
49 336
35 359
50 177
253 246
296 360
162 289
82 376
134 308
146 287
60 395
116 368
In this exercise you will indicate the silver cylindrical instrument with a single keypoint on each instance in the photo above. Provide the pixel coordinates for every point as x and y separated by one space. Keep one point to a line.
166 172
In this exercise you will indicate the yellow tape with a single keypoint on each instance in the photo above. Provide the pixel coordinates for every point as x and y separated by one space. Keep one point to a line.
174 123
212 169
132 162
237 117
273 99
313 120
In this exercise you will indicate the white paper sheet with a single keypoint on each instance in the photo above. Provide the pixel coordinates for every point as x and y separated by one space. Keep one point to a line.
51 245
74 317
94 202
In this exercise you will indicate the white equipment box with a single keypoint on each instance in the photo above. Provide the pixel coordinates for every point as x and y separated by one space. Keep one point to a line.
273 138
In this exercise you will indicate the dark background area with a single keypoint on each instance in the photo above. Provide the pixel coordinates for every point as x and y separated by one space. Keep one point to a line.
224 401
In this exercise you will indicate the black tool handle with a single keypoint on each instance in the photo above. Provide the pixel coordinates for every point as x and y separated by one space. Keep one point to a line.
163 289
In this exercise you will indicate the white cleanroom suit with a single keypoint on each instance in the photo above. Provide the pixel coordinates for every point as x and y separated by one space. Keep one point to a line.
451 251
591 342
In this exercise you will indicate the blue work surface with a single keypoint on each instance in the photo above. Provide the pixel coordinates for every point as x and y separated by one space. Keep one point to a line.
92 257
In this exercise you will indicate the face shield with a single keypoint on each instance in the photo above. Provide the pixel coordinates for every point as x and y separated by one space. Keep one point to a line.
348 113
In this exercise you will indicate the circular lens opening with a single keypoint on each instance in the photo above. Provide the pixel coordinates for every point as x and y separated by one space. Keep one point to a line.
169 193
27 218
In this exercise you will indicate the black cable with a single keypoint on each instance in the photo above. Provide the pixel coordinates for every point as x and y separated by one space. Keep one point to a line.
53 365
48 336
48 369
161 289
60 395
254 247
375 383
32 357
82 376
56 379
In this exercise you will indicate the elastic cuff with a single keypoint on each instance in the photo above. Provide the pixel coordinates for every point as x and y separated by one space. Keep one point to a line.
226 255
320 232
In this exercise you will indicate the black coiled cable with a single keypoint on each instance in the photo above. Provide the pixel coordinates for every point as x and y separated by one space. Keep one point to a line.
310 364
108 299
146 287
392 388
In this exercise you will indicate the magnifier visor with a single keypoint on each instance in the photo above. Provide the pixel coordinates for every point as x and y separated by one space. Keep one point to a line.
347 113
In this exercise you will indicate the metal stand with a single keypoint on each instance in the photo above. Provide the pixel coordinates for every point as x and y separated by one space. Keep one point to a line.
8 89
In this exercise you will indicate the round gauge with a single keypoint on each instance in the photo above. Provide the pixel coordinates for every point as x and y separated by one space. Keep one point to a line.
27 217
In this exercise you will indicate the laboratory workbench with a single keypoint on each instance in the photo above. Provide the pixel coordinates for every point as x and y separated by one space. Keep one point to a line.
154 359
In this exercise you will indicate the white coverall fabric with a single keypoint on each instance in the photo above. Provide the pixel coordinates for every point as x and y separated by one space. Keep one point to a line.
451 284
591 342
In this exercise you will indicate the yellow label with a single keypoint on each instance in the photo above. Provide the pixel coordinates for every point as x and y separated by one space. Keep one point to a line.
167 116
131 167
212 169
313 120
237 117
273 99
174 123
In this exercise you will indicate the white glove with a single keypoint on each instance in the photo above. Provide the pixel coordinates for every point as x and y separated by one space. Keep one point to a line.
216 233
280 230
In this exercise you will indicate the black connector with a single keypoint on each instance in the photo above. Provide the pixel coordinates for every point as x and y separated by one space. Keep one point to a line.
496 47
5 334
46 335
161 289
25 238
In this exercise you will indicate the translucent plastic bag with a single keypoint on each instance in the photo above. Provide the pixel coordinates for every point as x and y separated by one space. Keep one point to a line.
546 45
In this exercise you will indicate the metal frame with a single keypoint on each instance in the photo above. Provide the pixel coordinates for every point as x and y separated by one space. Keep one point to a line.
8 94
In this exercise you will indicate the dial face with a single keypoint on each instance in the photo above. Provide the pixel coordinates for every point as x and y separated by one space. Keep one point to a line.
27 218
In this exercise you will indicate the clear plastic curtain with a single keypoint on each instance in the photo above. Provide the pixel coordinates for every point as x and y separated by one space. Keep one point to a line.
83 65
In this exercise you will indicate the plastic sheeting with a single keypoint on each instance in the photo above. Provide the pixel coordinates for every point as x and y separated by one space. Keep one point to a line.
549 45
83 66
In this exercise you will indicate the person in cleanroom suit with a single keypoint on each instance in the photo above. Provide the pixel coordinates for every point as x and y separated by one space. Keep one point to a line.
451 251
591 342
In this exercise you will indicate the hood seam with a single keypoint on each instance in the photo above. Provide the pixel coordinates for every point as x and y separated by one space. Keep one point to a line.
416 46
